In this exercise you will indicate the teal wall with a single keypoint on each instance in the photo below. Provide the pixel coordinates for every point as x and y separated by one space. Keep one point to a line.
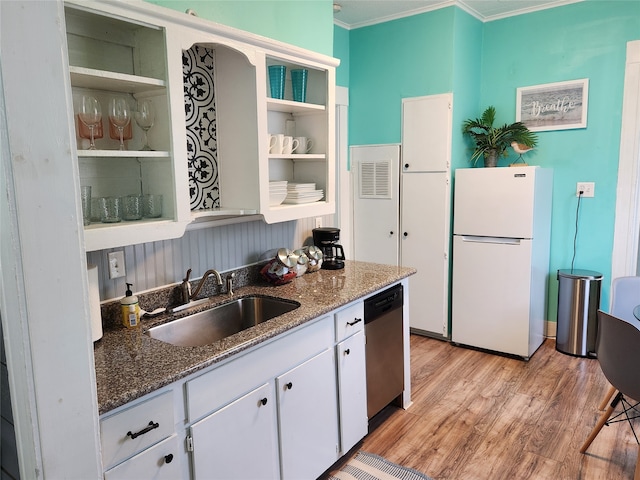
408 57
482 64
341 51
307 24
582 40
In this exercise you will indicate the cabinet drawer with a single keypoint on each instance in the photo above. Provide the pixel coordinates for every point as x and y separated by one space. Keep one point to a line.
160 462
149 422
349 321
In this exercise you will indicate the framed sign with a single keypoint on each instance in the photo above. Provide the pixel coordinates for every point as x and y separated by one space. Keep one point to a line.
553 106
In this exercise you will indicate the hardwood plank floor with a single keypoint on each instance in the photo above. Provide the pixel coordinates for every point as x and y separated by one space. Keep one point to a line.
479 416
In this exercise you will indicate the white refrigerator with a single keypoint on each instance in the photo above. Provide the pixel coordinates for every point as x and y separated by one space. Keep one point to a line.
501 242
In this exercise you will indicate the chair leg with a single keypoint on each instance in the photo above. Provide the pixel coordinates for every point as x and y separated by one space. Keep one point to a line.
603 419
636 475
607 398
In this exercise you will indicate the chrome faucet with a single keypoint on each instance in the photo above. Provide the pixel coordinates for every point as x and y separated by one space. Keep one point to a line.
204 279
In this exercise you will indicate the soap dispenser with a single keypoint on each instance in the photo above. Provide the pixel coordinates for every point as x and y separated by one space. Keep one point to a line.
130 309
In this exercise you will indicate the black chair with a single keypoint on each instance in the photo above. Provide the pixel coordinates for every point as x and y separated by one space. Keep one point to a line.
618 350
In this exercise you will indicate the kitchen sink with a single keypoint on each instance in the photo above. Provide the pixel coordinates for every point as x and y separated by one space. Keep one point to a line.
204 328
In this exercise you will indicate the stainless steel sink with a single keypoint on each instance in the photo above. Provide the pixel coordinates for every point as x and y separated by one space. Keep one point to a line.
204 328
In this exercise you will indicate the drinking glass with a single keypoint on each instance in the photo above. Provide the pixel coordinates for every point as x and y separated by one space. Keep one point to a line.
120 116
90 114
145 115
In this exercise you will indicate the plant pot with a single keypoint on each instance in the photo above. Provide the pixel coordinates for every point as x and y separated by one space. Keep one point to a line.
491 158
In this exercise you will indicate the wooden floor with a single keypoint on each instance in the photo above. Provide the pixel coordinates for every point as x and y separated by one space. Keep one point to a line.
479 416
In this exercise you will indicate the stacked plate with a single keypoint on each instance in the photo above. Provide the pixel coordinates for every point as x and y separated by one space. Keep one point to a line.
277 192
303 193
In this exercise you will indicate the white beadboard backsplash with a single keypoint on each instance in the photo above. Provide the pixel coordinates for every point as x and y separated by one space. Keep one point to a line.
227 247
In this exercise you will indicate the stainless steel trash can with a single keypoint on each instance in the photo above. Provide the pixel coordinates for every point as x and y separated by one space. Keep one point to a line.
578 303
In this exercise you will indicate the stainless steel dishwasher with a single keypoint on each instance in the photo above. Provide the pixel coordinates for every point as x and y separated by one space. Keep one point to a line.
384 349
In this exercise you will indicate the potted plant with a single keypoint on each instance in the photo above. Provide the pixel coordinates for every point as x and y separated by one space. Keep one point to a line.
492 142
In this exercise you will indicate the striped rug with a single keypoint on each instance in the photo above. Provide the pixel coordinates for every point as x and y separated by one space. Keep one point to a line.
367 466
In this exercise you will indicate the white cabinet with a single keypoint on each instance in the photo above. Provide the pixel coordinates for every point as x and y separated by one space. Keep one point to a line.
426 133
352 375
211 161
352 388
424 245
140 441
279 399
315 119
307 413
402 207
223 440
159 462
113 57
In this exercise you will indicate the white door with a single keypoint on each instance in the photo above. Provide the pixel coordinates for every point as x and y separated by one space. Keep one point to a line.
239 440
308 411
376 203
425 221
426 133
491 294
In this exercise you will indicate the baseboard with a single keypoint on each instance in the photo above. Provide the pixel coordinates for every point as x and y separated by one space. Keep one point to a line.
550 329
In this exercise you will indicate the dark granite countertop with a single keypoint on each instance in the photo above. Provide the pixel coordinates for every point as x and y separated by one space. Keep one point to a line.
130 364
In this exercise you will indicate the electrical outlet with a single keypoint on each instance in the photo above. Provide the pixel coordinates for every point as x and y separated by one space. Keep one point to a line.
588 189
116 264
318 222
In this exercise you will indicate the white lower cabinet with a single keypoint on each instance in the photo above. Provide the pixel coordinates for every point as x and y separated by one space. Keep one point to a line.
223 441
160 462
288 409
352 385
308 417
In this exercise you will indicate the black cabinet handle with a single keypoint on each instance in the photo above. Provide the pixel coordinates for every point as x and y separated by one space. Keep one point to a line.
263 401
288 386
168 458
147 429
406 165
347 351
405 234
355 320
391 232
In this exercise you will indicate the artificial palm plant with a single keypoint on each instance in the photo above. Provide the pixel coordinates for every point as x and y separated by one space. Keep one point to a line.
492 142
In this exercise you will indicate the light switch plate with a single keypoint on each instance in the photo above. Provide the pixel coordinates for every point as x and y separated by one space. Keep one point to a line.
116 264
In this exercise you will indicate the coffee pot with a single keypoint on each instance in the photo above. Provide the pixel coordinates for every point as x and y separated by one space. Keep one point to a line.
326 239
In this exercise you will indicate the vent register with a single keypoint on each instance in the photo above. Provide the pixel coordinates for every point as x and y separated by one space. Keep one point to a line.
375 179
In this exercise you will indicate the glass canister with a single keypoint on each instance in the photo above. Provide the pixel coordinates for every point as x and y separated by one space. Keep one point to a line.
302 262
282 268
314 254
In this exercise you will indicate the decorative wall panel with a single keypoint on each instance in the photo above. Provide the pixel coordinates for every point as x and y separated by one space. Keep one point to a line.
198 70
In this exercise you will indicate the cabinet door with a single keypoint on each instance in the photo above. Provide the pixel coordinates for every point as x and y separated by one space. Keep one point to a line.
239 440
425 246
352 391
160 462
426 133
307 403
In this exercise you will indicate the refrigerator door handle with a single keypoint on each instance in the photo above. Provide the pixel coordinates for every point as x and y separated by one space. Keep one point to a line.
500 240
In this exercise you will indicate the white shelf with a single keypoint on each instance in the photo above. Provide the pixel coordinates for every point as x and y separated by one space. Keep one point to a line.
303 156
124 153
221 212
114 82
289 106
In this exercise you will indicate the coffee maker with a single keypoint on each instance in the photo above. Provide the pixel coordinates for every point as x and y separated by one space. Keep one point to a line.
326 239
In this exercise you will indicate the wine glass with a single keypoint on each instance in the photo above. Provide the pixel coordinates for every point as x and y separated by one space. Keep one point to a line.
91 115
145 116
120 116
